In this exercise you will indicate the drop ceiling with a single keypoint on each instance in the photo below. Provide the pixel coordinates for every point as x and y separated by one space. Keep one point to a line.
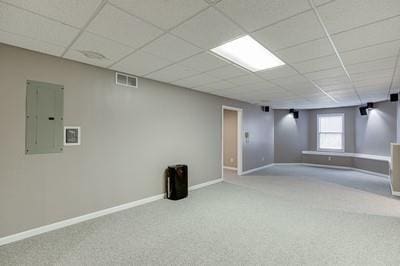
336 52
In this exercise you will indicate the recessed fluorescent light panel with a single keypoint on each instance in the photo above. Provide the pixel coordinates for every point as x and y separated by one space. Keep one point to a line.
248 53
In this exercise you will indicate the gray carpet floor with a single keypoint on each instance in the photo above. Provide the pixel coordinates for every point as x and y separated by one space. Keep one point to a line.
252 220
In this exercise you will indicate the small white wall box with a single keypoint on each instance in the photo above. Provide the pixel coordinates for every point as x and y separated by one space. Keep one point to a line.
72 136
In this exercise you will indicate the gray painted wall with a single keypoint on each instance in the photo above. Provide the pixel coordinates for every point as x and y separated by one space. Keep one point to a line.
370 134
129 136
375 131
230 138
291 136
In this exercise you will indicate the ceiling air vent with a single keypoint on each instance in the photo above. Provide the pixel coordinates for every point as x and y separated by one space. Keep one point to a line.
126 80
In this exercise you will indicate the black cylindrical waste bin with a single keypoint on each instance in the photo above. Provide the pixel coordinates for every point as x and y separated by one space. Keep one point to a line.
177 182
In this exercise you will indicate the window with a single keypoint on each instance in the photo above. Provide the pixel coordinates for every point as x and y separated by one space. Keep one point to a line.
331 132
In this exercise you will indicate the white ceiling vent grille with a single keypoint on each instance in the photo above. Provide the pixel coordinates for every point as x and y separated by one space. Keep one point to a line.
126 80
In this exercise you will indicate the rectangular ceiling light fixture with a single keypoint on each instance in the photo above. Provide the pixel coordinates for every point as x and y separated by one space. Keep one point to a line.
248 53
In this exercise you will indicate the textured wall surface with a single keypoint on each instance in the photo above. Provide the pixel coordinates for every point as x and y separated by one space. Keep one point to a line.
375 131
129 136
291 136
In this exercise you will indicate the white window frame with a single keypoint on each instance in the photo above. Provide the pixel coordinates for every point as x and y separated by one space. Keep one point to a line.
343 132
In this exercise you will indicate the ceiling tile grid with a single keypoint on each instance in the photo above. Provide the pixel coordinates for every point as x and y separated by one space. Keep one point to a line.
341 15
172 73
208 29
371 34
117 25
290 32
72 12
306 51
111 50
170 40
177 48
30 43
155 11
21 22
140 63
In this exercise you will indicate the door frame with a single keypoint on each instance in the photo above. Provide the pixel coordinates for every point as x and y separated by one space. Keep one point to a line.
239 158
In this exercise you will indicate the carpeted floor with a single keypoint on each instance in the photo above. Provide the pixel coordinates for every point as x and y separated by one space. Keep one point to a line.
262 219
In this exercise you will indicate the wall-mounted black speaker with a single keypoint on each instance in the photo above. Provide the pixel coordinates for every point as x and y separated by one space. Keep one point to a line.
265 108
394 97
296 114
363 110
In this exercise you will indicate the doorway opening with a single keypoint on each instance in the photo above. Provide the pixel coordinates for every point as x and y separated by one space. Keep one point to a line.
231 140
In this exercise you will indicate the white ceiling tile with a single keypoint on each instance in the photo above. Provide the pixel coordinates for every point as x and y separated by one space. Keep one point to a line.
119 26
371 53
334 72
208 29
205 89
296 79
203 62
317 64
339 87
272 89
385 74
385 63
372 34
25 23
342 15
195 81
306 51
254 14
226 72
372 84
140 63
246 79
31 44
330 81
171 48
164 14
72 12
263 86
343 93
90 42
377 97
219 85
172 73
298 29
277 72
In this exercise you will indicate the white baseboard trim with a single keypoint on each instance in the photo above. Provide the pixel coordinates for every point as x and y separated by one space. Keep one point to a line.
209 183
396 193
230 168
255 169
58 225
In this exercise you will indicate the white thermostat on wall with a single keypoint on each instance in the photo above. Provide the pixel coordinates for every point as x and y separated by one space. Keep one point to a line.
72 136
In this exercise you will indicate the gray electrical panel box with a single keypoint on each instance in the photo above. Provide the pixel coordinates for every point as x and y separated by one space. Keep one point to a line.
44 117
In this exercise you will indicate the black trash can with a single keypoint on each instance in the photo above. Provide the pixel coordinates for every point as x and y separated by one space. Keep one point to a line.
177 182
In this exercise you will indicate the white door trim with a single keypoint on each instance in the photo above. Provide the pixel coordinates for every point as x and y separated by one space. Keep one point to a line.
239 138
